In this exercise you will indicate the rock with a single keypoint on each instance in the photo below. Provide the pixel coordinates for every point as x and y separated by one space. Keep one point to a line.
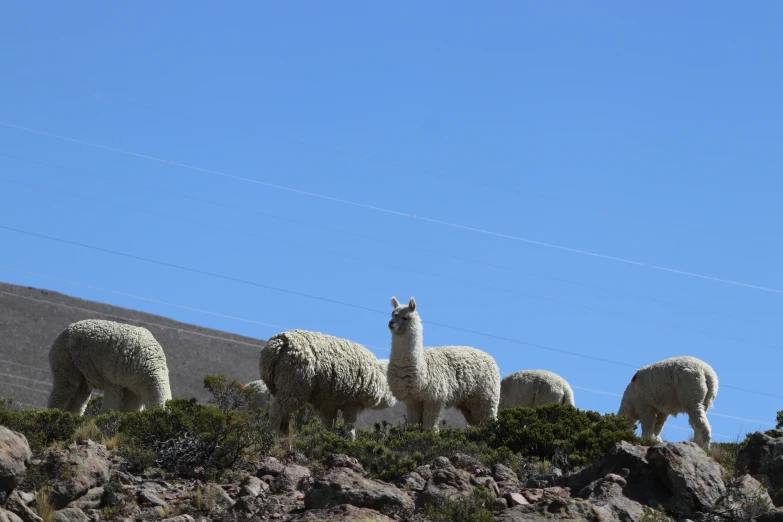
148 497
27 498
630 462
776 515
446 483
15 456
339 460
91 500
487 482
694 479
70 515
515 499
245 504
424 471
554 509
19 507
252 486
222 499
345 486
505 478
534 495
762 457
342 513
78 469
499 504
125 478
181 518
7 516
470 464
607 497
291 477
270 466
411 481
543 480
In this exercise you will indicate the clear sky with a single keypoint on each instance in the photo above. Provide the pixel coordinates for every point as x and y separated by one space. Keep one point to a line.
645 133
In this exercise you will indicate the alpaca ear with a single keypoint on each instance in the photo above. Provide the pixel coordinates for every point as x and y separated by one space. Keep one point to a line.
412 304
394 302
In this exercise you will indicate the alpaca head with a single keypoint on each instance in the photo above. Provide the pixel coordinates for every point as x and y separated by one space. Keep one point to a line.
628 410
404 318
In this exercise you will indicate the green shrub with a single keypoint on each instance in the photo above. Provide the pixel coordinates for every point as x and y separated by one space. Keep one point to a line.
227 394
41 427
779 419
475 508
562 434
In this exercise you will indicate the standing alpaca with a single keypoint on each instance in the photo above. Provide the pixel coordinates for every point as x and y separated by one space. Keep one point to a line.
428 380
533 388
123 360
330 373
668 387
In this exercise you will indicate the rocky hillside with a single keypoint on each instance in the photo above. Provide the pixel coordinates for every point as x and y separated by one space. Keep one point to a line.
616 487
31 318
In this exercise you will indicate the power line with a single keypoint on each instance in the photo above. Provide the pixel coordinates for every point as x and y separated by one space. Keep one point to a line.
165 303
26 366
341 303
114 204
395 212
25 378
369 238
182 330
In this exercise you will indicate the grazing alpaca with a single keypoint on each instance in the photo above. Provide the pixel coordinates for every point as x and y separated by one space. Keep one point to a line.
123 360
428 380
330 373
668 387
532 388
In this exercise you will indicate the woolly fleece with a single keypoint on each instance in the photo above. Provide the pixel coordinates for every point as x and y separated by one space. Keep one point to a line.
330 373
261 396
123 360
668 387
532 388
428 380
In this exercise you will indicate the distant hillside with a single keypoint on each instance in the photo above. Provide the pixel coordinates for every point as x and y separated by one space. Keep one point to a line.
31 318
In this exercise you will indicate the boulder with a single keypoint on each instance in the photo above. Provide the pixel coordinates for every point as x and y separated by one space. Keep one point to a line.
342 513
570 509
270 466
78 469
338 460
345 486
694 479
606 495
70 515
446 483
7 516
15 456
762 457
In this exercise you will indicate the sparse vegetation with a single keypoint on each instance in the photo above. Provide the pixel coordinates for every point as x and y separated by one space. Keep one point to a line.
43 504
475 508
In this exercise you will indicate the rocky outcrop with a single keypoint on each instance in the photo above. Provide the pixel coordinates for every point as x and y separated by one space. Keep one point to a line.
346 486
762 457
15 456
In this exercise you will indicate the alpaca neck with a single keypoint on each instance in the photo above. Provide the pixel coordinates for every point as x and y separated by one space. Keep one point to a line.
408 349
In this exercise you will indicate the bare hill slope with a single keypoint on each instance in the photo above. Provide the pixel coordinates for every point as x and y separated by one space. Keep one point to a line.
31 318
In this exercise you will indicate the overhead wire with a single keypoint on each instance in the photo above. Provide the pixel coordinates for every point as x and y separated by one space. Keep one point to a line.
341 303
116 204
395 212
371 238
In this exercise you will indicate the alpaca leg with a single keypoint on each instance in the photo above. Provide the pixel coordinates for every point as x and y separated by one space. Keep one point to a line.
156 393
350 413
130 401
328 415
648 419
414 412
79 401
702 433
280 412
112 398
431 415
480 411
660 420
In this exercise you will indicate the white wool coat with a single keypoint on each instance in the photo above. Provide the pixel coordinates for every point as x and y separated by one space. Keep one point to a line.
125 361
330 373
533 388
261 396
677 385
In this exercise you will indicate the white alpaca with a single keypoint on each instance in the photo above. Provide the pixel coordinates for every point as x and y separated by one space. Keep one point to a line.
668 387
533 388
123 360
330 373
261 397
428 380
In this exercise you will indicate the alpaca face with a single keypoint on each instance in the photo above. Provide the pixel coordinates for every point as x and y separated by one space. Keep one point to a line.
403 317
630 413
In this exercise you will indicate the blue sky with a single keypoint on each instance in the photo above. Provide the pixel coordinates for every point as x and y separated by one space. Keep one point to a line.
647 133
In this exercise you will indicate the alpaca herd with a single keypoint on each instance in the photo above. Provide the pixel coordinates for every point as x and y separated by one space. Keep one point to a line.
299 367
